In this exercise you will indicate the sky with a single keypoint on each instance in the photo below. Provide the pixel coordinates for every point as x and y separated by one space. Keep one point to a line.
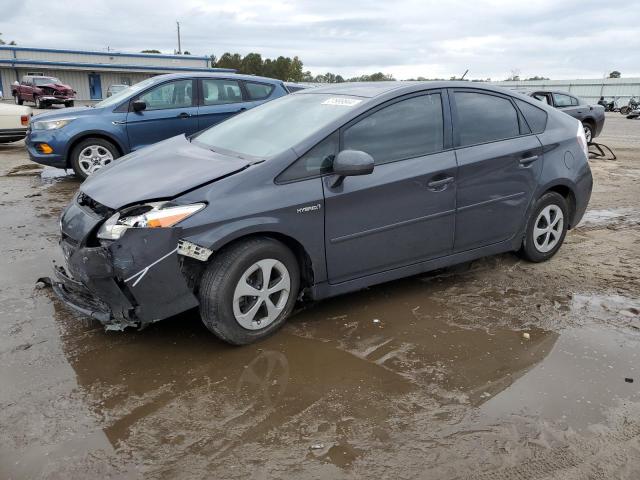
560 39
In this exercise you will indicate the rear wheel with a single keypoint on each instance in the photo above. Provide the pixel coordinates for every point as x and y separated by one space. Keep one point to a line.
624 110
91 155
68 104
249 290
588 132
546 228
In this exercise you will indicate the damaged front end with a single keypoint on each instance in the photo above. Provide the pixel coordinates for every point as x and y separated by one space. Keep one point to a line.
124 268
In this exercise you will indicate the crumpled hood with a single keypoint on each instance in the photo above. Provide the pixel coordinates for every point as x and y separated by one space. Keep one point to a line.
56 86
160 171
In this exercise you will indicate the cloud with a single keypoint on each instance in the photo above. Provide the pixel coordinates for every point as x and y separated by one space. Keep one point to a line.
567 39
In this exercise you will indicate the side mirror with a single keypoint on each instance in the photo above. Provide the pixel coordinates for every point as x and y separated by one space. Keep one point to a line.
349 163
139 106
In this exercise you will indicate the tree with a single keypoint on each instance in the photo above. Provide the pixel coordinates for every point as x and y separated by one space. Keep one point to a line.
537 78
615 74
2 42
228 60
251 64
150 51
295 71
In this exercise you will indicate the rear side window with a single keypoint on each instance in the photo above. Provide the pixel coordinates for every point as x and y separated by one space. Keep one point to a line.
562 100
220 91
406 129
315 162
485 118
258 91
535 117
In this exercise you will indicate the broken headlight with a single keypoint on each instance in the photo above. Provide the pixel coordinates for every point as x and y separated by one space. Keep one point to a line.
150 215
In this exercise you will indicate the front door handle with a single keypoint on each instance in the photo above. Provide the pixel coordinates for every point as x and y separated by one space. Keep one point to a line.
184 115
439 185
525 162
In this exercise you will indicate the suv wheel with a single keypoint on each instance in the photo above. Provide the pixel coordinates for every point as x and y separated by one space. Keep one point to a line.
249 290
91 155
546 228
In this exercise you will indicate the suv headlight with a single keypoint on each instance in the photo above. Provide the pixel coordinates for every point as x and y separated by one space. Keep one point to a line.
51 124
150 215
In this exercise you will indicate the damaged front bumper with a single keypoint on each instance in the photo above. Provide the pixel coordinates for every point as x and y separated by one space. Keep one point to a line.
130 282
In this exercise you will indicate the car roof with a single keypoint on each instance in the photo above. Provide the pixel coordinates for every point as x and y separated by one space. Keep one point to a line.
529 91
218 74
375 89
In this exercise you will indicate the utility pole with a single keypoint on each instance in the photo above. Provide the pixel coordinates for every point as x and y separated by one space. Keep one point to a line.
179 46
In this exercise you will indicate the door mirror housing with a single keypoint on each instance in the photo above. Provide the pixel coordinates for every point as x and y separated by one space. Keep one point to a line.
139 106
350 163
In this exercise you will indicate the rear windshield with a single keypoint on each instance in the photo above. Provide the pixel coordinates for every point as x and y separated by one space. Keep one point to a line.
277 126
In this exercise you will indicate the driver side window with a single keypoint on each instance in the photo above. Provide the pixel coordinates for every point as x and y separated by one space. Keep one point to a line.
178 94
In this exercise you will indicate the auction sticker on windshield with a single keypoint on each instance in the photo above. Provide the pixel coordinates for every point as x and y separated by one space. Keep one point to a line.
342 102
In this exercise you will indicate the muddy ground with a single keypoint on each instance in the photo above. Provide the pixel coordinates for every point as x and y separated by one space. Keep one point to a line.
428 377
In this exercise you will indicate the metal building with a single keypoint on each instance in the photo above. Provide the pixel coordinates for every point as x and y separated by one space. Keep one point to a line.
91 73
588 89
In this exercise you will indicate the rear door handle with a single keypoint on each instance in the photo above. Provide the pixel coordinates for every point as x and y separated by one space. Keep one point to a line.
528 160
438 185
184 115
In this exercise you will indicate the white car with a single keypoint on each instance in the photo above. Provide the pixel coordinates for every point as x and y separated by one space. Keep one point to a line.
14 120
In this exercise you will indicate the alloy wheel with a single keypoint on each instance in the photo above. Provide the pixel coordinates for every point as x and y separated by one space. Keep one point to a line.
548 228
261 294
93 157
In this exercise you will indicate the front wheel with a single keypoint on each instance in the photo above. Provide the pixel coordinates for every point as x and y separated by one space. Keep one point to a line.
625 110
546 228
249 290
18 100
68 104
91 155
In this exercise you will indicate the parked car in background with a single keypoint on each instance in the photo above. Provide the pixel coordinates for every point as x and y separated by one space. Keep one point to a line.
14 120
319 193
42 91
87 139
113 89
591 116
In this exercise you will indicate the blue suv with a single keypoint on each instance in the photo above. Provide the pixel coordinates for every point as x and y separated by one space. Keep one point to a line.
87 139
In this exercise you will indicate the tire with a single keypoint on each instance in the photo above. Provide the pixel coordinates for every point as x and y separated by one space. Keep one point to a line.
68 104
624 110
588 132
18 100
38 104
535 247
91 154
221 281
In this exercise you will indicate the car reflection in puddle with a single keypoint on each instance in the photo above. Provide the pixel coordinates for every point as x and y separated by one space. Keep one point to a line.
339 379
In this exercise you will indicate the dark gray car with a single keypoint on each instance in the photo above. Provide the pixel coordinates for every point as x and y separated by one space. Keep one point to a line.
320 193
591 116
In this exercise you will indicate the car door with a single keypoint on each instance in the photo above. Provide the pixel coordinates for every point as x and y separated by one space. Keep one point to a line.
170 110
499 163
403 212
220 99
27 87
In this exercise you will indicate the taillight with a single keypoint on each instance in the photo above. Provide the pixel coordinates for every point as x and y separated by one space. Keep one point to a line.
24 120
582 140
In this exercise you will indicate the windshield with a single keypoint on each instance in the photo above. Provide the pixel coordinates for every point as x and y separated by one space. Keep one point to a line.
45 80
124 94
277 126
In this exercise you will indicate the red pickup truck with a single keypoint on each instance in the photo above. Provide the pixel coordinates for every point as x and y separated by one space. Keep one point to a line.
42 91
